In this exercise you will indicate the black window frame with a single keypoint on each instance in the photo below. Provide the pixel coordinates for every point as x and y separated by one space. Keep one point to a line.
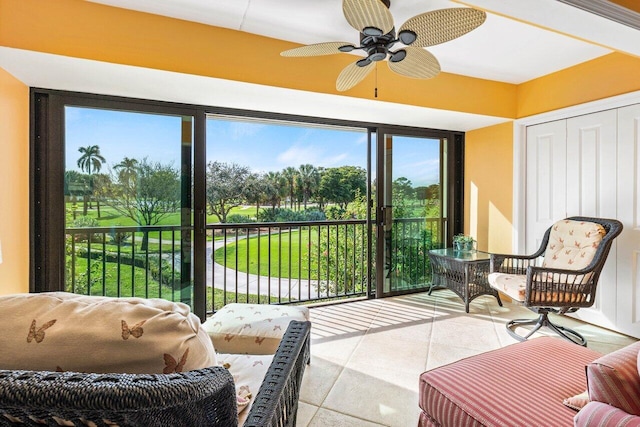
46 196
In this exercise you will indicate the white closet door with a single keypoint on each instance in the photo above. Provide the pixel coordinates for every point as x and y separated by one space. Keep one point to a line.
628 243
591 191
546 180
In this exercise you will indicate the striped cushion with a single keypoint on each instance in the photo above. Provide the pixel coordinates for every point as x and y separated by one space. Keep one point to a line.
614 379
598 414
510 386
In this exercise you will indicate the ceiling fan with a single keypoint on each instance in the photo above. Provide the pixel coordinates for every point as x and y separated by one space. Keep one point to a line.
374 21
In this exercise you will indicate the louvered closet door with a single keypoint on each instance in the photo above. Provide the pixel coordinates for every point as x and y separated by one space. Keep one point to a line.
628 243
546 179
591 191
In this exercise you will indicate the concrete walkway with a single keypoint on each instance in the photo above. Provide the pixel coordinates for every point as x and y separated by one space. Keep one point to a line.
245 283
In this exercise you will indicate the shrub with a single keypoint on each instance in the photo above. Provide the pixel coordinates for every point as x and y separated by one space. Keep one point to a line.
239 219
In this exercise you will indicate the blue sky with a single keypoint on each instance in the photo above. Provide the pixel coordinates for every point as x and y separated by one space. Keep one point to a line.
262 147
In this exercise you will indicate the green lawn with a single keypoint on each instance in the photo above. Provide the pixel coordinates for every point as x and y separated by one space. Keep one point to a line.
294 250
109 217
145 288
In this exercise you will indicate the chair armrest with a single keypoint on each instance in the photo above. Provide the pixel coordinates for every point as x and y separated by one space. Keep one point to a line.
200 397
512 264
598 414
613 379
276 403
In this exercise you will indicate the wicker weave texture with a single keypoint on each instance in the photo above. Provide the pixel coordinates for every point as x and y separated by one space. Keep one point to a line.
203 397
276 403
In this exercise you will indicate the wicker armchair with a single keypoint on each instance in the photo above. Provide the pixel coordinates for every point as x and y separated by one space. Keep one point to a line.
547 288
204 397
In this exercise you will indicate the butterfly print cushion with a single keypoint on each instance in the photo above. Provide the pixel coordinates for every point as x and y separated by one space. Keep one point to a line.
60 331
251 328
248 371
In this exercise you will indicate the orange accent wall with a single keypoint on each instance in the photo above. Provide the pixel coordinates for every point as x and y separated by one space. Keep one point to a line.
489 187
83 29
603 77
629 4
14 191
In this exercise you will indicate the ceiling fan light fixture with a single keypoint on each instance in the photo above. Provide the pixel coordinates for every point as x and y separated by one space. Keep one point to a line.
372 31
398 55
363 62
346 48
377 53
407 37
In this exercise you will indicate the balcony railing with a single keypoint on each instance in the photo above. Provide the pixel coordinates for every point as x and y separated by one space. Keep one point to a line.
267 263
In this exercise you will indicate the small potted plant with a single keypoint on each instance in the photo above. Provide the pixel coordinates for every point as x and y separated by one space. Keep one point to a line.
462 242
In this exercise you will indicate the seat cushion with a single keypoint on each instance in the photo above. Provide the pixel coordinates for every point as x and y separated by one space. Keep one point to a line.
251 328
513 285
519 385
248 372
572 244
53 331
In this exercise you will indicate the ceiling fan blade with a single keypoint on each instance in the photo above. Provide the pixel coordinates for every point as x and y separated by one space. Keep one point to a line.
442 25
351 75
318 49
418 64
363 14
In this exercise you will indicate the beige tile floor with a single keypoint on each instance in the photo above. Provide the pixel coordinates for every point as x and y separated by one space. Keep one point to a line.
367 356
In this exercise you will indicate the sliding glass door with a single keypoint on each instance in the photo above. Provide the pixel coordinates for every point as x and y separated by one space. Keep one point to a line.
158 200
127 203
412 209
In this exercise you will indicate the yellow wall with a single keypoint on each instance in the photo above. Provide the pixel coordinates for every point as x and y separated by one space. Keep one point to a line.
83 29
629 4
14 191
603 77
488 186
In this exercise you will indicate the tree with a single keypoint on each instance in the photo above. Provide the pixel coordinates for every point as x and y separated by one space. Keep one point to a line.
154 194
309 180
340 185
402 187
254 190
289 175
127 170
90 161
100 183
226 184
274 188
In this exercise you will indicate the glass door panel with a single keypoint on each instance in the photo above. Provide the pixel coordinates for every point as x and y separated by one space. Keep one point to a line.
128 203
411 210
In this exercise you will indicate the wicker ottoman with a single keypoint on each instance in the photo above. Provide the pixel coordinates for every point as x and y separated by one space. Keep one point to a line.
523 384
251 328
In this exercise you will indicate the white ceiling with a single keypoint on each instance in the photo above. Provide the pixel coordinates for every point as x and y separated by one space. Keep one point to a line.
501 49
504 48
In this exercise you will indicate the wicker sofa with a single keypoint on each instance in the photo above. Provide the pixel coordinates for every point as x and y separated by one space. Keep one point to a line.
74 368
538 382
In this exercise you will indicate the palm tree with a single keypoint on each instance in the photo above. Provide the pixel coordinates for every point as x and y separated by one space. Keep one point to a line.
127 170
90 161
309 179
289 174
274 189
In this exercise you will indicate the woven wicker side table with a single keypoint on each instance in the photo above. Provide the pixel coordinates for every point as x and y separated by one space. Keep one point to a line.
465 273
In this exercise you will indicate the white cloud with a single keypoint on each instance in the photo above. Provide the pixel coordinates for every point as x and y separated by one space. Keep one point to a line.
315 155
